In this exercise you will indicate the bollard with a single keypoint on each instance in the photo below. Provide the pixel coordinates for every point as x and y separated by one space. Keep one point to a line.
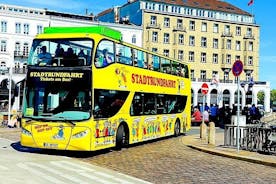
203 131
212 134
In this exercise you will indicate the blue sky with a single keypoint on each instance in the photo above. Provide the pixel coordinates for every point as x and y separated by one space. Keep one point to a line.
264 15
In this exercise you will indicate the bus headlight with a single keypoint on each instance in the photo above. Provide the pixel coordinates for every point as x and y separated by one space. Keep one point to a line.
26 132
80 134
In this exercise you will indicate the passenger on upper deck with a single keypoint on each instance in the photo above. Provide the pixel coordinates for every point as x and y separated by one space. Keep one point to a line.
103 60
44 57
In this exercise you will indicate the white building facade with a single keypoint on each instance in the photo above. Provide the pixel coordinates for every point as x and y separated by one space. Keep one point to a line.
18 27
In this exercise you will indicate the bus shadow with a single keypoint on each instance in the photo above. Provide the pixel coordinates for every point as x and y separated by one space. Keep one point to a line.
81 154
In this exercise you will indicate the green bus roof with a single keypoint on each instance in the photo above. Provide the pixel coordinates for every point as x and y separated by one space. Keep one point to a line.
106 31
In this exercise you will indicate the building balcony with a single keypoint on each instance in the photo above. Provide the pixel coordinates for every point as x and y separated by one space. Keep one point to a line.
249 36
20 54
153 26
226 34
179 28
226 66
248 67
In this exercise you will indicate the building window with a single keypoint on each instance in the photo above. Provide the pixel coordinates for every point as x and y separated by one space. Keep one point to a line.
227 30
238 30
26 30
166 22
191 56
154 49
192 25
179 23
18 28
154 36
153 20
17 49
203 57
249 32
3 46
166 38
133 39
25 49
250 60
228 44
215 58
181 39
39 29
228 59
238 58
216 28
250 46
238 45
202 74
215 43
4 26
166 52
192 74
180 55
203 42
226 75
191 40
204 27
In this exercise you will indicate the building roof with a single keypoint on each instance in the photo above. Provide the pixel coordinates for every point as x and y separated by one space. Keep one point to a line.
216 5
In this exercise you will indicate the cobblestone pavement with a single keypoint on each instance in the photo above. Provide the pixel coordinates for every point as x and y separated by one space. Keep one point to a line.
170 161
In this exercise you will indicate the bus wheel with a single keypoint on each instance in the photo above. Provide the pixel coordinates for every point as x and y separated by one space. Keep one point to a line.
120 137
177 128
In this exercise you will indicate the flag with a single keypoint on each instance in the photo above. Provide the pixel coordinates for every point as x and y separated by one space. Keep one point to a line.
250 2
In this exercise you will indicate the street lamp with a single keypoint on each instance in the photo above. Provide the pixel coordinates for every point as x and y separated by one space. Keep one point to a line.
4 70
10 86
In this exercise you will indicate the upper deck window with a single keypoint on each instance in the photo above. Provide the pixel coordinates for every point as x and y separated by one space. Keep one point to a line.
61 52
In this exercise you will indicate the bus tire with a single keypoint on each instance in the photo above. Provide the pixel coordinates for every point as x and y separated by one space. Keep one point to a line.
177 128
121 137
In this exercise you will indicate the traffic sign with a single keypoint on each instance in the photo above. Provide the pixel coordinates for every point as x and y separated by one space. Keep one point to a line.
204 88
237 68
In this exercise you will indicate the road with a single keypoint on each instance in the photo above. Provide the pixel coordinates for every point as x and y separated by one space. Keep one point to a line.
162 161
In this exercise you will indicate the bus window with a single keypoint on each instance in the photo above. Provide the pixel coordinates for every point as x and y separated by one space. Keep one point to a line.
123 54
156 63
104 54
136 106
140 59
165 65
149 104
160 105
108 102
61 52
174 68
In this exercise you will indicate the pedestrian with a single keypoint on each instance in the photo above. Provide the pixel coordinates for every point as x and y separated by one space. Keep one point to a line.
196 115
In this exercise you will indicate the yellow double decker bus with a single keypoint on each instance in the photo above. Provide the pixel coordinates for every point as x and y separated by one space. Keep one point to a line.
88 90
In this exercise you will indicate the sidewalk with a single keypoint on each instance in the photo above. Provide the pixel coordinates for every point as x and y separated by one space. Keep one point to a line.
195 142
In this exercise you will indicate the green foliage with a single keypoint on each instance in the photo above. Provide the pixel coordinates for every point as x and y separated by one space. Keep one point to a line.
273 96
260 97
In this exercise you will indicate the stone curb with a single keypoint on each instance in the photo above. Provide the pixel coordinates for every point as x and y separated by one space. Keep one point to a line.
234 156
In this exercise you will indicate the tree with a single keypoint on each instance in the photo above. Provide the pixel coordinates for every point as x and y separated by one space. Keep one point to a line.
260 97
273 96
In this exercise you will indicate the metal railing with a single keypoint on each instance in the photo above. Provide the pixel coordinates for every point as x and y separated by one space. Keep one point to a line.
253 137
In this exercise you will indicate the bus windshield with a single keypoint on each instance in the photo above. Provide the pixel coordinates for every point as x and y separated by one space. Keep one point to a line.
58 94
61 52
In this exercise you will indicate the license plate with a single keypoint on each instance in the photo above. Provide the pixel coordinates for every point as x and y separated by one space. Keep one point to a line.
50 145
